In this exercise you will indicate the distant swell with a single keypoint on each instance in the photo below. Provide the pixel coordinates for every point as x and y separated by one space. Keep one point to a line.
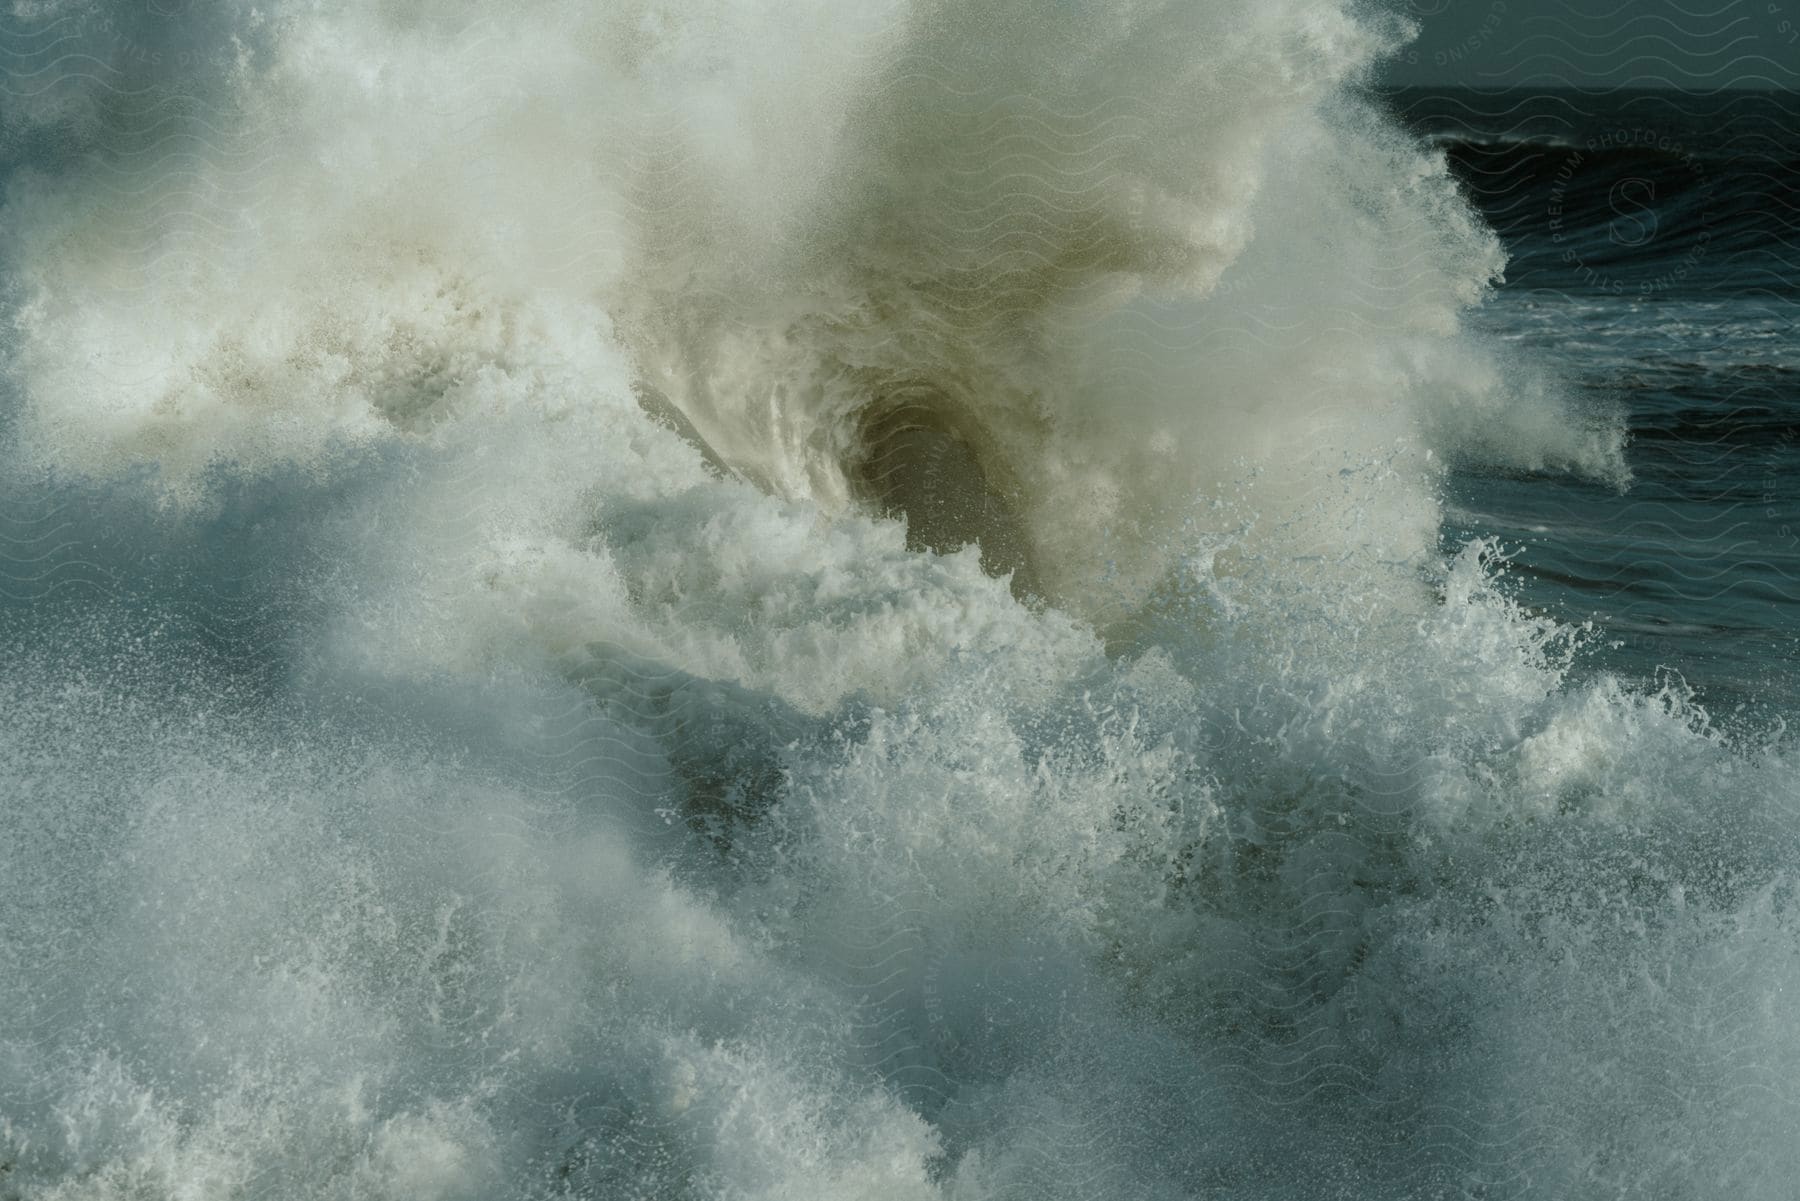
1655 196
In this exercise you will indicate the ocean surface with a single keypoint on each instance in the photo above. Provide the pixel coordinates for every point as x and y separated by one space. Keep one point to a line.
1653 239
887 601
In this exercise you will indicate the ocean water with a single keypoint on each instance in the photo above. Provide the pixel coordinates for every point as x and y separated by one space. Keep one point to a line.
886 601
1652 250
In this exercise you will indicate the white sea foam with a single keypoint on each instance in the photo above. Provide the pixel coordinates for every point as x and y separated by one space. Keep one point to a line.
623 805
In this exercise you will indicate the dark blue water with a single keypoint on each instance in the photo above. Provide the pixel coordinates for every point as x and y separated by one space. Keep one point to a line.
1655 256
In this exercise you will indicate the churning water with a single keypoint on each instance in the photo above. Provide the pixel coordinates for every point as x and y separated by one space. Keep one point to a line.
885 600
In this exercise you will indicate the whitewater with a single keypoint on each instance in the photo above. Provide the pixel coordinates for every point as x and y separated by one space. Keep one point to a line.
819 600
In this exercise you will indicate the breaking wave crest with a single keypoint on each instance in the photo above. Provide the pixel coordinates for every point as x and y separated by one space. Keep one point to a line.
816 600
